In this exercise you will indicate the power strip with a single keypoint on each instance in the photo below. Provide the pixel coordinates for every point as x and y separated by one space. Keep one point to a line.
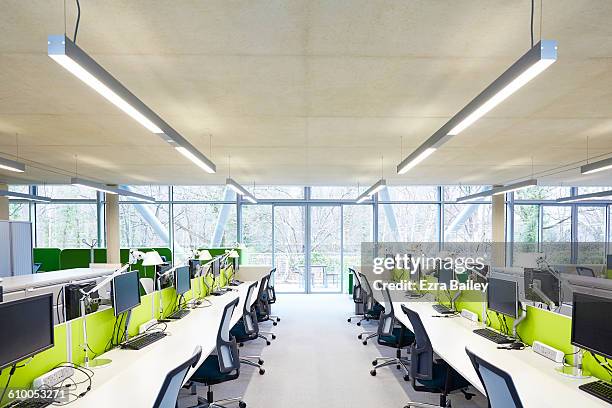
146 326
469 315
550 353
53 377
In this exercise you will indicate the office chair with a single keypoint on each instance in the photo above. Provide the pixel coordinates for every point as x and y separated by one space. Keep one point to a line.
262 308
271 293
584 271
497 383
168 394
371 308
357 295
427 373
392 335
220 367
247 329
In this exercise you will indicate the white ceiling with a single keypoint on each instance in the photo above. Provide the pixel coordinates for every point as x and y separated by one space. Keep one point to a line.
305 92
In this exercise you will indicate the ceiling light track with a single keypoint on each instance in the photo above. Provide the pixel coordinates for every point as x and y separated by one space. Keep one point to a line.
12 165
234 185
66 53
499 190
77 181
585 197
22 196
369 193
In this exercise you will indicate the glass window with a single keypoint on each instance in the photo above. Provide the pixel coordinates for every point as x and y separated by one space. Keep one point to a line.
526 228
65 225
358 228
557 233
279 192
203 193
408 222
257 234
409 193
339 193
452 193
19 212
591 234
203 226
19 188
542 193
66 192
159 193
589 190
144 225
467 222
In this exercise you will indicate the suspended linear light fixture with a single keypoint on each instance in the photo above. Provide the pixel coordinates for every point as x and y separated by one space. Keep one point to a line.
585 197
77 181
231 183
597 166
375 188
23 196
12 165
500 190
530 65
66 53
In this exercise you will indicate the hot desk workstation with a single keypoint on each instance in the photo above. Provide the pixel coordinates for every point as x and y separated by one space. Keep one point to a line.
131 344
506 340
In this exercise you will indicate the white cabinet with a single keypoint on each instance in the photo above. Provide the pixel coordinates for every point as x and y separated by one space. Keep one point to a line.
15 248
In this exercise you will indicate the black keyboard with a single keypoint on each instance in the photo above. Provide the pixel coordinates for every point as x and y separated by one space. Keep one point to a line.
29 403
143 341
599 389
235 282
179 314
218 293
494 336
442 309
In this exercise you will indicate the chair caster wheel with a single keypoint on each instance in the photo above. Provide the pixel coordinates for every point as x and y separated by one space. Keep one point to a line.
260 361
359 337
358 323
398 366
242 404
241 344
274 324
278 319
273 337
365 342
348 320
406 378
268 343
373 373
468 397
262 371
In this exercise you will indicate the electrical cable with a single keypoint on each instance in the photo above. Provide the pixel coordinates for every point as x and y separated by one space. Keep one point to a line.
532 12
8 381
602 364
57 304
76 27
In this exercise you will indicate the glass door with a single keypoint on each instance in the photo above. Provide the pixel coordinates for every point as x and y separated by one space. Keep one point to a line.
325 248
289 228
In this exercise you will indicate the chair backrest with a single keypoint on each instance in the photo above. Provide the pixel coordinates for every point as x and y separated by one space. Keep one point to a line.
357 290
227 350
271 291
386 322
168 394
147 285
368 296
498 384
421 351
584 271
249 317
262 296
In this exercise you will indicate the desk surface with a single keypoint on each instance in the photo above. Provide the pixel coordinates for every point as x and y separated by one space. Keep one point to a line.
137 376
536 380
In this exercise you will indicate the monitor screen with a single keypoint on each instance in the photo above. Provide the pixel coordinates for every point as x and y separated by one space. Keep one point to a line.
446 275
545 282
589 329
27 328
193 267
126 292
216 268
502 297
182 280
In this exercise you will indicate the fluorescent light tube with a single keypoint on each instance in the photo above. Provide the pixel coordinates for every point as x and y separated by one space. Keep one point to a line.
597 166
410 162
11 165
471 197
231 183
375 188
207 165
585 197
514 187
530 65
66 53
22 196
76 181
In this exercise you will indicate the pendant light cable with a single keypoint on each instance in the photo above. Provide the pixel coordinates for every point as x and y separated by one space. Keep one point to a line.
532 11
76 27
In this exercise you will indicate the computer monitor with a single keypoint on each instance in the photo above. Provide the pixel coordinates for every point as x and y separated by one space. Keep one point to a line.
126 292
545 282
193 267
216 268
445 275
502 297
589 329
182 280
26 328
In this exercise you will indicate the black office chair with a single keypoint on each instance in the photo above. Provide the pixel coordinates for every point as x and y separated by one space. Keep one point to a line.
222 366
497 383
371 308
262 307
247 329
271 293
584 271
392 334
357 295
168 394
427 373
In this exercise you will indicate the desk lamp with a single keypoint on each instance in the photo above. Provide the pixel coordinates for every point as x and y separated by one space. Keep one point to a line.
202 255
233 255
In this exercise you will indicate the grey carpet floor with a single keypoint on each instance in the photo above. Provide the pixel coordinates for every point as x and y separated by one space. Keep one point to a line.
317 360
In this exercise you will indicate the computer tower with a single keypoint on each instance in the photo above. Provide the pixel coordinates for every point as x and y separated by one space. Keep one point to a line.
72 300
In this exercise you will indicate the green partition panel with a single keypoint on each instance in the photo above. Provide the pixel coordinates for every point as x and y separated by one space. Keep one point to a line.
148 271
48 257
80 257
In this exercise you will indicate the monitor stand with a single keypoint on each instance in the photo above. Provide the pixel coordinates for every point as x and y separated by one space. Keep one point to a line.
575 371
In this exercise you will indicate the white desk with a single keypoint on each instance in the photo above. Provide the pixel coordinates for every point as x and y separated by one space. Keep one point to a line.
42 279
536 380
135 376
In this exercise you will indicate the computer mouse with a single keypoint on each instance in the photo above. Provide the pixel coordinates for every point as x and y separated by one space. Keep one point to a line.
516 346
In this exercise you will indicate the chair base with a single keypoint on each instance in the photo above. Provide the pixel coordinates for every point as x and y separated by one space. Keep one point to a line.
274 317
355 317
425 405
369 335
224 403
268 333
246 360
401 363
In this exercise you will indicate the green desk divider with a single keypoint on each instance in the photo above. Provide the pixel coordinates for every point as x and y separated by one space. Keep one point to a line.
81 257
48 257
148 271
